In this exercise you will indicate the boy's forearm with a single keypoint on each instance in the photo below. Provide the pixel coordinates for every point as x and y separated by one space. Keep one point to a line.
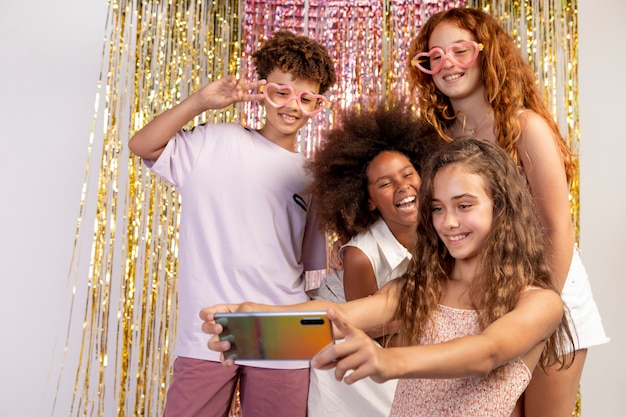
150 141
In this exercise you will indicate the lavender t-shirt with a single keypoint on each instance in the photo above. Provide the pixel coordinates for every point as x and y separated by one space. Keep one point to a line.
242 226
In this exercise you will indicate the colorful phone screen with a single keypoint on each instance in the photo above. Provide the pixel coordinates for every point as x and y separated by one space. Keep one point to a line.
273 335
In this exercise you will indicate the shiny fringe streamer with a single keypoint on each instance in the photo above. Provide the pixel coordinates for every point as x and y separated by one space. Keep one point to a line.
154 54
158 52
547 33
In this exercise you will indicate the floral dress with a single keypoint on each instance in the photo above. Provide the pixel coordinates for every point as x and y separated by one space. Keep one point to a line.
490 396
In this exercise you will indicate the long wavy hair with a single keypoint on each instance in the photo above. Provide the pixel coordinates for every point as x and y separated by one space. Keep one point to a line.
509 82
513 258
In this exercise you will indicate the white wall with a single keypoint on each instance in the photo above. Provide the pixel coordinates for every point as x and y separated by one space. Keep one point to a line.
602 99
51 55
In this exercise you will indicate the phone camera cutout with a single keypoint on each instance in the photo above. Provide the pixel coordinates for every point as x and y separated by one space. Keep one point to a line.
312 321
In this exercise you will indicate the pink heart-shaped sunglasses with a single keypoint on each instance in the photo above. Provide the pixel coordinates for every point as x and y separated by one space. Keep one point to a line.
461 54
279 95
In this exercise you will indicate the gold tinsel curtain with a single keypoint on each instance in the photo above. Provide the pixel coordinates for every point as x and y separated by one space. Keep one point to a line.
118 349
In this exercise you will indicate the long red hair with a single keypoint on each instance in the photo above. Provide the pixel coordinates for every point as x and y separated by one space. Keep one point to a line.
509 83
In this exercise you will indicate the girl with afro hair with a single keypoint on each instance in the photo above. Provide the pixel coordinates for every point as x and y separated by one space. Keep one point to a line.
366 179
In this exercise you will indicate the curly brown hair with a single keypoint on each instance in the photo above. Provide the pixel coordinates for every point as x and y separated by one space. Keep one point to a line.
339 167
300 56
513 258
509 82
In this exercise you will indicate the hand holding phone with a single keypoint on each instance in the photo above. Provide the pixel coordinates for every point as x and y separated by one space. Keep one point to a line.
275 335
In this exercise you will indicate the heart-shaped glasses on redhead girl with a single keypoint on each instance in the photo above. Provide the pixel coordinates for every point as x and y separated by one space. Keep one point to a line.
460 54
279 95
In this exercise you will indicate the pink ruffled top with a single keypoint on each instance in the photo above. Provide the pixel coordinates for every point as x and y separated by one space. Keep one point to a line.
490 396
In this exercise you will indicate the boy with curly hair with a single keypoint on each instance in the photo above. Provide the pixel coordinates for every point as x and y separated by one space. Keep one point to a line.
245 228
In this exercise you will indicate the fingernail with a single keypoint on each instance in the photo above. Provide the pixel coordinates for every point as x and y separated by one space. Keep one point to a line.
227 338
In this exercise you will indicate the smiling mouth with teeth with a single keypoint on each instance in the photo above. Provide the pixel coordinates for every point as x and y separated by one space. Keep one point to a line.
453 77
458 237
407 200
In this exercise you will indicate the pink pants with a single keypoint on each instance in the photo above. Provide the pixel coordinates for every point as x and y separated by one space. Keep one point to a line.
202 388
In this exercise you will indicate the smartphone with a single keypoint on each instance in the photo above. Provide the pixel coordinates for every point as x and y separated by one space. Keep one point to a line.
295 335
